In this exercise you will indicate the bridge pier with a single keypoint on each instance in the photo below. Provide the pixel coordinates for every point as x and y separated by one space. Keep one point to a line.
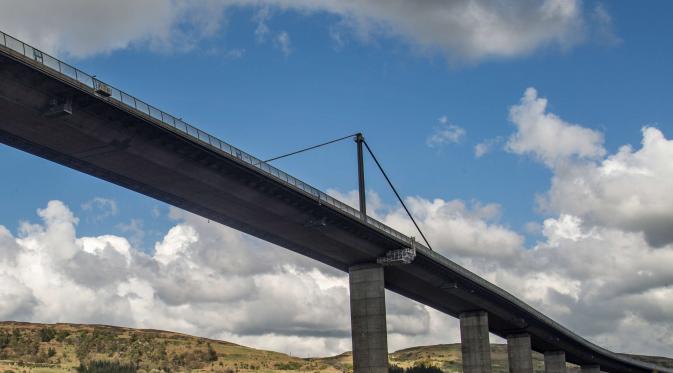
475 345
519 353
555 362
590 369
368 319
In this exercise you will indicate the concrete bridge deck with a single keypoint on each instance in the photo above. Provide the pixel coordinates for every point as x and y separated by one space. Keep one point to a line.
54 111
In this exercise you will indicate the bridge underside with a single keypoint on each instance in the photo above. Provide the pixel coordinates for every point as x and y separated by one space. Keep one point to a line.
105 139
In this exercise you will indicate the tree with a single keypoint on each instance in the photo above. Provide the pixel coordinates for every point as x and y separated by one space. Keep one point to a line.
212 355
47 334
4 340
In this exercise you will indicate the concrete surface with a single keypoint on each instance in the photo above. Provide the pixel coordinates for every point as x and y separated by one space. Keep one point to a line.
368 319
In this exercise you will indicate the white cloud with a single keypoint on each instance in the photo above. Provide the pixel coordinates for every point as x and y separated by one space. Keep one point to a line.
602 282
604 25
234 54
227 54
548 137
81 28
481 149
456 228
464 30
268 297
629 190
445 133
203 279
460 30
283 42
101 208
608 249
134 229
533 228
597 280
261 16
16 299
485 147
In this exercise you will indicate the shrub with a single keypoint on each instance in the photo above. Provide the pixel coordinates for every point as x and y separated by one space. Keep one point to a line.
4 340
211 355
47 334
421 368
290 365
106 367
395 369
61 335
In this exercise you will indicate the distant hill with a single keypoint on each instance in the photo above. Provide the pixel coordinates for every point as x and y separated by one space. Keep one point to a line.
57 348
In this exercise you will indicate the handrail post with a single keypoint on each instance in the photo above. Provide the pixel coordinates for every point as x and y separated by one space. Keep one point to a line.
359 139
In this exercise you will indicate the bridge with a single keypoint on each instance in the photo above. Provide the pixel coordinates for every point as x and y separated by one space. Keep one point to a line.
52 110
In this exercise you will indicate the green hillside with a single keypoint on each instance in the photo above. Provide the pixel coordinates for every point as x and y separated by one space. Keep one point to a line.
56 348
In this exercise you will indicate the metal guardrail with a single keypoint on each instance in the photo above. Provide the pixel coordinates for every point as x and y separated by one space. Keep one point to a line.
112 93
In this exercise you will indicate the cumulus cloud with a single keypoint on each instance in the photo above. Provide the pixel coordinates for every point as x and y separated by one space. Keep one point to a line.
202 278
268 297
16 299
548 137
134 230
460 30
606 247
462 230
629 190
602 282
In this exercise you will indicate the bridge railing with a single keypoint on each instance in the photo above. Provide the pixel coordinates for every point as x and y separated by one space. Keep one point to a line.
86 80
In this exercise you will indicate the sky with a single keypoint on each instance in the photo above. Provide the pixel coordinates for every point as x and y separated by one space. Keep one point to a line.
532 140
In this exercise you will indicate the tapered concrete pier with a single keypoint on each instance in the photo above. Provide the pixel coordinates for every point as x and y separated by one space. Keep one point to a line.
555 362
475 344
519 353
368 319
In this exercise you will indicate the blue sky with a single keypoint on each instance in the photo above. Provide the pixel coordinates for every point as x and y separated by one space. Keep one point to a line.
269 103
277 76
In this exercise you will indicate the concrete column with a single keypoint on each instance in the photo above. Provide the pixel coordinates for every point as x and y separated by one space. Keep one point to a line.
368 319
590 369
555 362
475 345
519 353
